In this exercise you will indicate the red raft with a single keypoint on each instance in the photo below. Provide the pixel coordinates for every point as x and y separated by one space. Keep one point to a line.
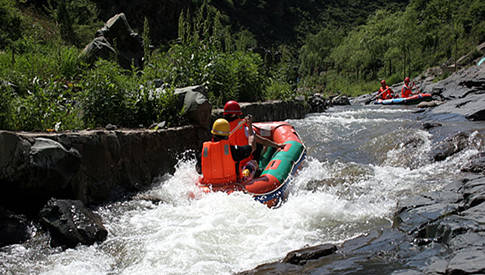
271 186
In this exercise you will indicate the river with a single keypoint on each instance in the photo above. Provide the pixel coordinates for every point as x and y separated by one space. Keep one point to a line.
361 160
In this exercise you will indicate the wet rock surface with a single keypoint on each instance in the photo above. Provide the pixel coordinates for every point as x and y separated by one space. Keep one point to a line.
14 228
70 223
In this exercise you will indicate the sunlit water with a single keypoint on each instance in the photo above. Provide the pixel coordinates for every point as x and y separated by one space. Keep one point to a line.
360 161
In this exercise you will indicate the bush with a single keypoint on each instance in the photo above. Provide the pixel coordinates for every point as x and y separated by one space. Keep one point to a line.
6 94
50 105
279 90
106 96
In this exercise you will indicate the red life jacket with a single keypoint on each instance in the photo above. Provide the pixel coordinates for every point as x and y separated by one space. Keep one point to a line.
218 166
406 91
387 94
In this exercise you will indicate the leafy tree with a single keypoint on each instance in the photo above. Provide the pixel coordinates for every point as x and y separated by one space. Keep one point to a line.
10 23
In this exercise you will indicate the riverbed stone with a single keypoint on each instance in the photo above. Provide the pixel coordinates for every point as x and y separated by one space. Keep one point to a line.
476 164
450 146
70 223
301 256
467 261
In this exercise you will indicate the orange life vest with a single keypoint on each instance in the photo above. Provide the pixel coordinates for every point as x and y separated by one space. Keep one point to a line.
240 138
406 91
218 166
386 94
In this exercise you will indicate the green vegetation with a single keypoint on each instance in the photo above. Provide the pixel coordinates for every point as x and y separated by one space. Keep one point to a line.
392 45
242 50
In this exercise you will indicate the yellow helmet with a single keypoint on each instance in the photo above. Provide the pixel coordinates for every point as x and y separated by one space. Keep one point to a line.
221 127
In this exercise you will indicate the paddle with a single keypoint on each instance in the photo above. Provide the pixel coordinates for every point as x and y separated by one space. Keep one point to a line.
377 95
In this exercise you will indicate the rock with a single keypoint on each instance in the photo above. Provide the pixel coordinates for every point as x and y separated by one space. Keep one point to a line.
53 162
429 125
111 127
300 257
116 37
450 146
14 155
467 261
428 104
318 103
476 165
195 104
70 223
362 100
98 48
13 228
340 100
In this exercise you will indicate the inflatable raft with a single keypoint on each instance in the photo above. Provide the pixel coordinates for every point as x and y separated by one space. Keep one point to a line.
405 100
271 186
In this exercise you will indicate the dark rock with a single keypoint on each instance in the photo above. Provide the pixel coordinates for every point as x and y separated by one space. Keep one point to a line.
299 257
273 268
70 223
54 162
116 37
98 48
340 100
450 146
476 165
467 261
466 240
318 103
464 92
111 127
474 192
429 125
196 104
14 155
13 228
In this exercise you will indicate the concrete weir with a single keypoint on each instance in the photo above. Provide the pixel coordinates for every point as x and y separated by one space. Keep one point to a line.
95 166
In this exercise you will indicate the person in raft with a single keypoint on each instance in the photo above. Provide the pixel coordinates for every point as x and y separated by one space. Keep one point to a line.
384 91
407 90
233 113
219 159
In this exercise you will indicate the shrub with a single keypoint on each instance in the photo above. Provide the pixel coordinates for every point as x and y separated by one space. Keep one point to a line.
106 96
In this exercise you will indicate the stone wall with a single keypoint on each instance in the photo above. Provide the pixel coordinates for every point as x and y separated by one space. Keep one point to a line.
98 165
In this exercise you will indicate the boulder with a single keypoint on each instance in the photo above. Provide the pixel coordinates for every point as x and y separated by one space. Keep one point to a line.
54 161
118 38
450 146
476 164
98 48
13 228
301 256
196 105
318 103
70 223
340 100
